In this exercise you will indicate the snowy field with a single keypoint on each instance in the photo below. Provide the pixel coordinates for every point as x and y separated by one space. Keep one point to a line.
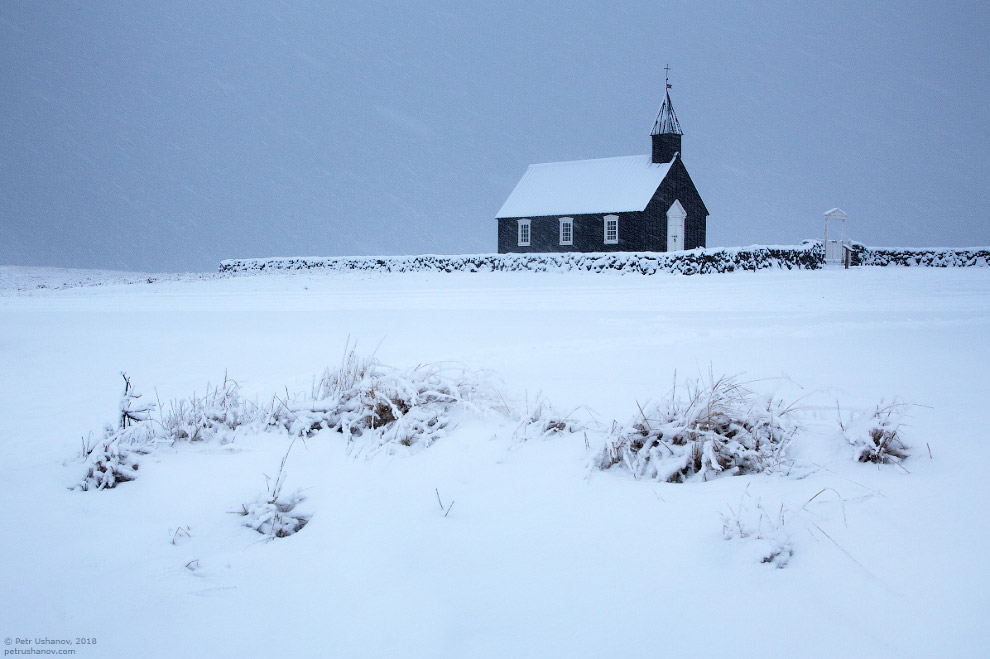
534 552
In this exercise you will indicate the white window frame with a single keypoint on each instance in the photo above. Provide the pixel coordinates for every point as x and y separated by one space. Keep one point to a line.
569 238
615 239
524 229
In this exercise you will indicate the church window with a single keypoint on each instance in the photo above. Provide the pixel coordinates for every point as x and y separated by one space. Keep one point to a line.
524 233
567 231
611 229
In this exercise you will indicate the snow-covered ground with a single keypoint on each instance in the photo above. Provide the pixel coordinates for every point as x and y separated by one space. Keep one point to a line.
21 279
540 555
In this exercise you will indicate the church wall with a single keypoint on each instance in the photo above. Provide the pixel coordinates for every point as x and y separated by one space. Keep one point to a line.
678 185
636 234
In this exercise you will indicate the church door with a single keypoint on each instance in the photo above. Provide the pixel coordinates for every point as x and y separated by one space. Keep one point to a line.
675 227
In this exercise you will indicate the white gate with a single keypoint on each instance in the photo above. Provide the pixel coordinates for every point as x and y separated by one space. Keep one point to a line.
835 249
833 252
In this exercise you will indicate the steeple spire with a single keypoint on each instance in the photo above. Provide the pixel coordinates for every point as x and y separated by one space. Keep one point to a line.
666 131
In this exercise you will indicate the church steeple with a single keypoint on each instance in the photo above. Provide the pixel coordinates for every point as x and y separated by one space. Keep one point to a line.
666 133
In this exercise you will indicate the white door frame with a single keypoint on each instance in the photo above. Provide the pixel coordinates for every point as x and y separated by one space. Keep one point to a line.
675 227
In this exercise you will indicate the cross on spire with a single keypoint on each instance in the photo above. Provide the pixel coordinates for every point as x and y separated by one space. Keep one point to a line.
667 76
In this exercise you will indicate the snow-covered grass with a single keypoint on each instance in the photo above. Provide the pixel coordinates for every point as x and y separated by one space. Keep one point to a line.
372 406
876 435
543 554
712 428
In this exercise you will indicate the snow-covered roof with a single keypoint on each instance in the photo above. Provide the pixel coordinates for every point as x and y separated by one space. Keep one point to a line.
605 185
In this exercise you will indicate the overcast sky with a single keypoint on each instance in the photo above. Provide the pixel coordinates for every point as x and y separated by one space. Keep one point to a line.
167 136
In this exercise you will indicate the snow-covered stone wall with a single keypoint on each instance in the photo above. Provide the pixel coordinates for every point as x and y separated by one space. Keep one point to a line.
808 256
935 257
690 262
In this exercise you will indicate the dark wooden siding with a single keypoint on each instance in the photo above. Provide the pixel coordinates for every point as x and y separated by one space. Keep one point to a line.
677 185
665 145
589 234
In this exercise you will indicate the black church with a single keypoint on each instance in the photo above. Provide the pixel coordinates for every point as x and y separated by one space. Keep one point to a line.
628 204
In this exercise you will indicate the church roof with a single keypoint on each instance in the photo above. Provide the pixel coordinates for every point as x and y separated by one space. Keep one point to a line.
605 185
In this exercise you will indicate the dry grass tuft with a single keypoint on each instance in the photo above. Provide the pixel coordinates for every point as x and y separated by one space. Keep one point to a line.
703 429
274 514
384 407
883 443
